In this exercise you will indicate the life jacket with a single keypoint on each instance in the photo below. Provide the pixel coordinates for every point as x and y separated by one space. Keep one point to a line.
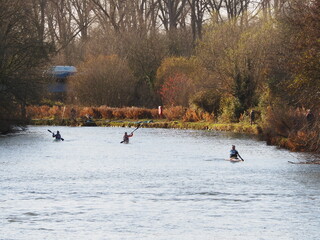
126 138
57 136
233 153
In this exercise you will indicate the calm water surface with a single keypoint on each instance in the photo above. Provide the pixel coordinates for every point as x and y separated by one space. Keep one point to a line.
165 184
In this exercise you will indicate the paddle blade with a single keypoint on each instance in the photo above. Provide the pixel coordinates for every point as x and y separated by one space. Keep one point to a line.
136 128
49 131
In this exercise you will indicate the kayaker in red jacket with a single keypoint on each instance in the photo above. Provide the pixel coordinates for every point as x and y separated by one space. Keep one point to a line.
126 137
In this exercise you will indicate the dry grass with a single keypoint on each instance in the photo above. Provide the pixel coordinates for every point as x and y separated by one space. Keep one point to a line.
105 112
192 115
174 113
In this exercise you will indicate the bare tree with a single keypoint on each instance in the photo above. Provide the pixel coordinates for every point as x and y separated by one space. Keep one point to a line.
236 9
61 27
198 9
66 21
141 15
82 14
214 7
81 11
171 12
38 8
272 8
110 12
136 15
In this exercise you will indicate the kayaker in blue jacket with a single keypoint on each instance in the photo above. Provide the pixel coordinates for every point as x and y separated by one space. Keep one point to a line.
233 152
57 135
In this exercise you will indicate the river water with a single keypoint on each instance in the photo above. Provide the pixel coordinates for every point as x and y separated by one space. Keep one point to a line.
164 184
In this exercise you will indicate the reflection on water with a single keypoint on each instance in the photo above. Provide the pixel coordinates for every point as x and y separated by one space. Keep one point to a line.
165 184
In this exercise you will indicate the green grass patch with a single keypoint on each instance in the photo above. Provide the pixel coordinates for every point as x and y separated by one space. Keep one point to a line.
157 123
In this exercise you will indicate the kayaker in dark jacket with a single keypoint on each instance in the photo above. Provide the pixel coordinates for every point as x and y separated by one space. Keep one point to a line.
233 152
126 137
57 135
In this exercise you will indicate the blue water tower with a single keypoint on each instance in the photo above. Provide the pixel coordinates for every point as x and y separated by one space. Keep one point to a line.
60 75
59 86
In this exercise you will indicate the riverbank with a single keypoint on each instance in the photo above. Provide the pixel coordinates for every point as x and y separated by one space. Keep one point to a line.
284 133
155 123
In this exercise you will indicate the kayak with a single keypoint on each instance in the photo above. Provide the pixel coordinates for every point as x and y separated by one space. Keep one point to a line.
89 123
234 160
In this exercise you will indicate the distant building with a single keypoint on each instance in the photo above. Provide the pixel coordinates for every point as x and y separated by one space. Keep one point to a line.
60 74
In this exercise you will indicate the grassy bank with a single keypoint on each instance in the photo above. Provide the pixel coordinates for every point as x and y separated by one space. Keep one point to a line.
156 123
172 117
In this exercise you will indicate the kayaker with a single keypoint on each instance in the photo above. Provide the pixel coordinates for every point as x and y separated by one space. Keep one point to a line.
126 137
57 135
233 152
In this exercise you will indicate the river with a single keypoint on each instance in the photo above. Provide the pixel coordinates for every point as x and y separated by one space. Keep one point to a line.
164 184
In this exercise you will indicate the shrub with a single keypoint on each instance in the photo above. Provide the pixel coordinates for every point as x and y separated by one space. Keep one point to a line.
175 90
229 106
96 113
195 115
283 122
208 101
55 112
104 80
208 117
154 113
191 116
106 112
172 66
174 113
32 112
86 111
72 113
44 111
137 113
119 113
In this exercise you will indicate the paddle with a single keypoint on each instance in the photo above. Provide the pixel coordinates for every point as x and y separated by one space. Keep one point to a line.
240 157
53 133
132 132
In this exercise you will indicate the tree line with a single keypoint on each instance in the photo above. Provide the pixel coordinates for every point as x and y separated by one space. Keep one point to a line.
224 57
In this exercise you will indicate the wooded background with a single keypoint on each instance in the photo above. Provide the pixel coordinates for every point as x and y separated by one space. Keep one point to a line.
224 57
